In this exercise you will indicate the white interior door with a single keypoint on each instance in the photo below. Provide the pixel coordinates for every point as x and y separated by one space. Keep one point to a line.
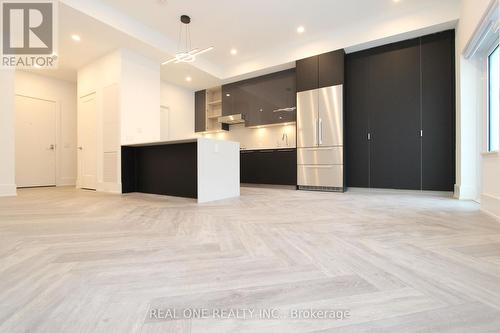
87 142
35 142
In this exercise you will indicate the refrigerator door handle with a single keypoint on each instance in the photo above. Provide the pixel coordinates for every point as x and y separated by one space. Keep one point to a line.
320 131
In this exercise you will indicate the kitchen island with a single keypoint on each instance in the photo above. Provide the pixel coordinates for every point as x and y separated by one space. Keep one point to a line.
199 168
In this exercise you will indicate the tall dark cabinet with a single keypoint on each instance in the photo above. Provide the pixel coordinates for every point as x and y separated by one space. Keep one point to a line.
400 115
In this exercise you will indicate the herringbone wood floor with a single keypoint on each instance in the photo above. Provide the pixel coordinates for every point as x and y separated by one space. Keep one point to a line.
78 261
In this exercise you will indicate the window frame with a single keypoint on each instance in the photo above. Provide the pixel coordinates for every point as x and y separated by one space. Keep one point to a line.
491 50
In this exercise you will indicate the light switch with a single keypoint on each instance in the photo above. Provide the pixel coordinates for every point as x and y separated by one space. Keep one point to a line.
216 148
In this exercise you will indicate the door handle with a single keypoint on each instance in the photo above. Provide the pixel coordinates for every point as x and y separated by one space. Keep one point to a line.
80 148
320 126
52 147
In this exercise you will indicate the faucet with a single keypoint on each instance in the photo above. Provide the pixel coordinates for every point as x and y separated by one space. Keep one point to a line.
284 138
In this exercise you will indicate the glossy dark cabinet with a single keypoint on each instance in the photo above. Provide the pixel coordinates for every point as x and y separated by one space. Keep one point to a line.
307 74
200 111
324 70
272 167
400 115
264 100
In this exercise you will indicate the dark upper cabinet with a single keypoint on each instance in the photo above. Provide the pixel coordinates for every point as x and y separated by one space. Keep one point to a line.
307 73
227 100
200 111
264 100
331 68
320 71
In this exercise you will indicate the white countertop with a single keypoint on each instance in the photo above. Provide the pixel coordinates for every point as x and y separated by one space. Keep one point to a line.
266 148
170 142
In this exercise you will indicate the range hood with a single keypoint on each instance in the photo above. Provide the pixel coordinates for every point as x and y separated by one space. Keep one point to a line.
232 119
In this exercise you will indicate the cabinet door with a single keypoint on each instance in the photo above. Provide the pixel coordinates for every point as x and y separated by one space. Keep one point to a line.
438 112
278 95
331 68
307 73
285 166
200 111
307 118
358 104
228 99
395 156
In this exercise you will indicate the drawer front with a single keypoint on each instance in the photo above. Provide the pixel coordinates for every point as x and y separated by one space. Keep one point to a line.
320 175
327 155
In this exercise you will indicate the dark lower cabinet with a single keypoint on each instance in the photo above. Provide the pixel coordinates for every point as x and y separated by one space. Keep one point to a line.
400 115
271 166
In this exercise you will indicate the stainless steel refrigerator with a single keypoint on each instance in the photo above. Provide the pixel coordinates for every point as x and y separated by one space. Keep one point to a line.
320 139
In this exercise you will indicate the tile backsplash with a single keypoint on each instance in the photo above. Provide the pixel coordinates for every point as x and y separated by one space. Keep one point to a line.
279 136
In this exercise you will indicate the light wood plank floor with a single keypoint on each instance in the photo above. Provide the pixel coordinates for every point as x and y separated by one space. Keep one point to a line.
80 261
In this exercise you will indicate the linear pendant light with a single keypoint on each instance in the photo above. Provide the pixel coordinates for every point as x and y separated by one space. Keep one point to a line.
187 54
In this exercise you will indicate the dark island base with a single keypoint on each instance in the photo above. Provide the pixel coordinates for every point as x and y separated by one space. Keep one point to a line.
163 169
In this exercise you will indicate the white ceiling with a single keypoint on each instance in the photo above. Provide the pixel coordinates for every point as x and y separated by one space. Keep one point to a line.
98 39
263 31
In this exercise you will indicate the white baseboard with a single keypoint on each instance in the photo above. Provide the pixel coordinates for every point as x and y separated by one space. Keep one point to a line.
465 193
109 187
8 190
66 182
491 205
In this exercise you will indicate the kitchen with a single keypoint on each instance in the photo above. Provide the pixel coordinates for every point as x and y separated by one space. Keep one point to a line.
302 128
287 138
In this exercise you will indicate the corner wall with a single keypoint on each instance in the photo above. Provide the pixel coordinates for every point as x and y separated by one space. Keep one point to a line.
7 138
127 89
477 173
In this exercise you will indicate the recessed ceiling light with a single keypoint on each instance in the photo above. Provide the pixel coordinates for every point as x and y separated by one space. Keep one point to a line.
395 1
188 78
76 38
301 29
234 51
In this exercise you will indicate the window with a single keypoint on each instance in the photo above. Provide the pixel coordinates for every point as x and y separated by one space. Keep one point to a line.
494 100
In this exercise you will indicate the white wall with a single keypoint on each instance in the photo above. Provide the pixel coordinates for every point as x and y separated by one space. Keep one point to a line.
64 94
180 105
97 78
477 174
7 138
127 88
140 98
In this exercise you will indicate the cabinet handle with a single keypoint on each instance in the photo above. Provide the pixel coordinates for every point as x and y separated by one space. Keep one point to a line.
320 126
317 166
291 109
